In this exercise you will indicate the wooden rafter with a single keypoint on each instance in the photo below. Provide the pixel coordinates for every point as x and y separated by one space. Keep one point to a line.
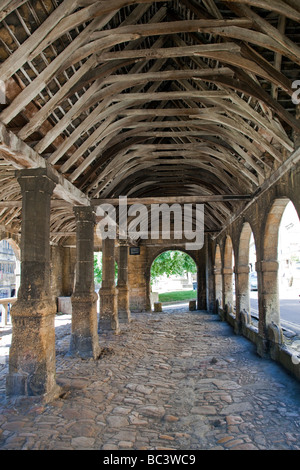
138 95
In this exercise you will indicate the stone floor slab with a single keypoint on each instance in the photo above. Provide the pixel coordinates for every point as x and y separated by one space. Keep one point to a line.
179 380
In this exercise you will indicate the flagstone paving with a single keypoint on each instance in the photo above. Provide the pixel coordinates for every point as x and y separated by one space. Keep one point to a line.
173 380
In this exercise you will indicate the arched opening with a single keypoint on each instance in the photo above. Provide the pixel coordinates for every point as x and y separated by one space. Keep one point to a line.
269 307
228 278
289 274
253 278
218 278
247 300
173 277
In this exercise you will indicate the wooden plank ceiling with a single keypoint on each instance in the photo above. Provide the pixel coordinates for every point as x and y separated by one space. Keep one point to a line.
142 99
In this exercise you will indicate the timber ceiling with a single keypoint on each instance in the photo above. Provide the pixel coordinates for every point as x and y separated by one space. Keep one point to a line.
142 99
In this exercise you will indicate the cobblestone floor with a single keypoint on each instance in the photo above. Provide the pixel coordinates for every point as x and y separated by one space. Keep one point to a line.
175 380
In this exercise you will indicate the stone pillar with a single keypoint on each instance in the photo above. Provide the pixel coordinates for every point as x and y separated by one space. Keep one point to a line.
139 281
201 280
123 291
268 301
108 320
227 290
68 270
218 289
242 295
148 303
32 352
210 278
84 339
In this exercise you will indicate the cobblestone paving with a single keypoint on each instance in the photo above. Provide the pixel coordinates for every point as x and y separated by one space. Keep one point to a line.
175 380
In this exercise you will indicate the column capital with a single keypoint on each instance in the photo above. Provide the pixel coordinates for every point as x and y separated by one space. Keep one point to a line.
122 243
227 271
37 179
266 266
85 213
242 269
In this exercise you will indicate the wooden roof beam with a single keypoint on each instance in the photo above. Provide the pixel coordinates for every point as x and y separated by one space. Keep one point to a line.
276 5
20 155
292 50
21 55
174 199
38 84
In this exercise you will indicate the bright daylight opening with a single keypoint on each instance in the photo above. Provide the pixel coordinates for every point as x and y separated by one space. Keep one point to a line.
253 282
173 278
9 285
289 276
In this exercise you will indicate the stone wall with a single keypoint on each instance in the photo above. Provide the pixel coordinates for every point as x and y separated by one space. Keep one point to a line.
264 215
139 268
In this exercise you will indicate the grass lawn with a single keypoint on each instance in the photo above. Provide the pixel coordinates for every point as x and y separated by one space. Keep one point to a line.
178 295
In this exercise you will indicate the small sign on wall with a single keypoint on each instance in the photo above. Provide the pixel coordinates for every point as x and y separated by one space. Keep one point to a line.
134 250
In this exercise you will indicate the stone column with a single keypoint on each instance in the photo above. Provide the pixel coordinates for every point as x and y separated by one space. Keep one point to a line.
201 280
123 291
84 339
68 270
227 290
108 320
139 282
268 301
32 352
148 305
242 294
218 289
210 278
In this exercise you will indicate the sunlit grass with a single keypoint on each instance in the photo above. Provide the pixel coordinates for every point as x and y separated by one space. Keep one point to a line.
177 295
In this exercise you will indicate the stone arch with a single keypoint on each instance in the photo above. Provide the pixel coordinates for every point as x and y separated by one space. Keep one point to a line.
244 242
271 229
242 270
267 267
157 253
288 233
228 250
169 248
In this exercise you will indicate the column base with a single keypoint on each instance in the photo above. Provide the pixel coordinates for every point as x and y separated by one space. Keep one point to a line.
108 319
124 316
84 338
18 386
262 347
84 347
32 352
124 313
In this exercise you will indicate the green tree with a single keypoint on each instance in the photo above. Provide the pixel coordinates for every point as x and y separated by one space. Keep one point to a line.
172 263
97 268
